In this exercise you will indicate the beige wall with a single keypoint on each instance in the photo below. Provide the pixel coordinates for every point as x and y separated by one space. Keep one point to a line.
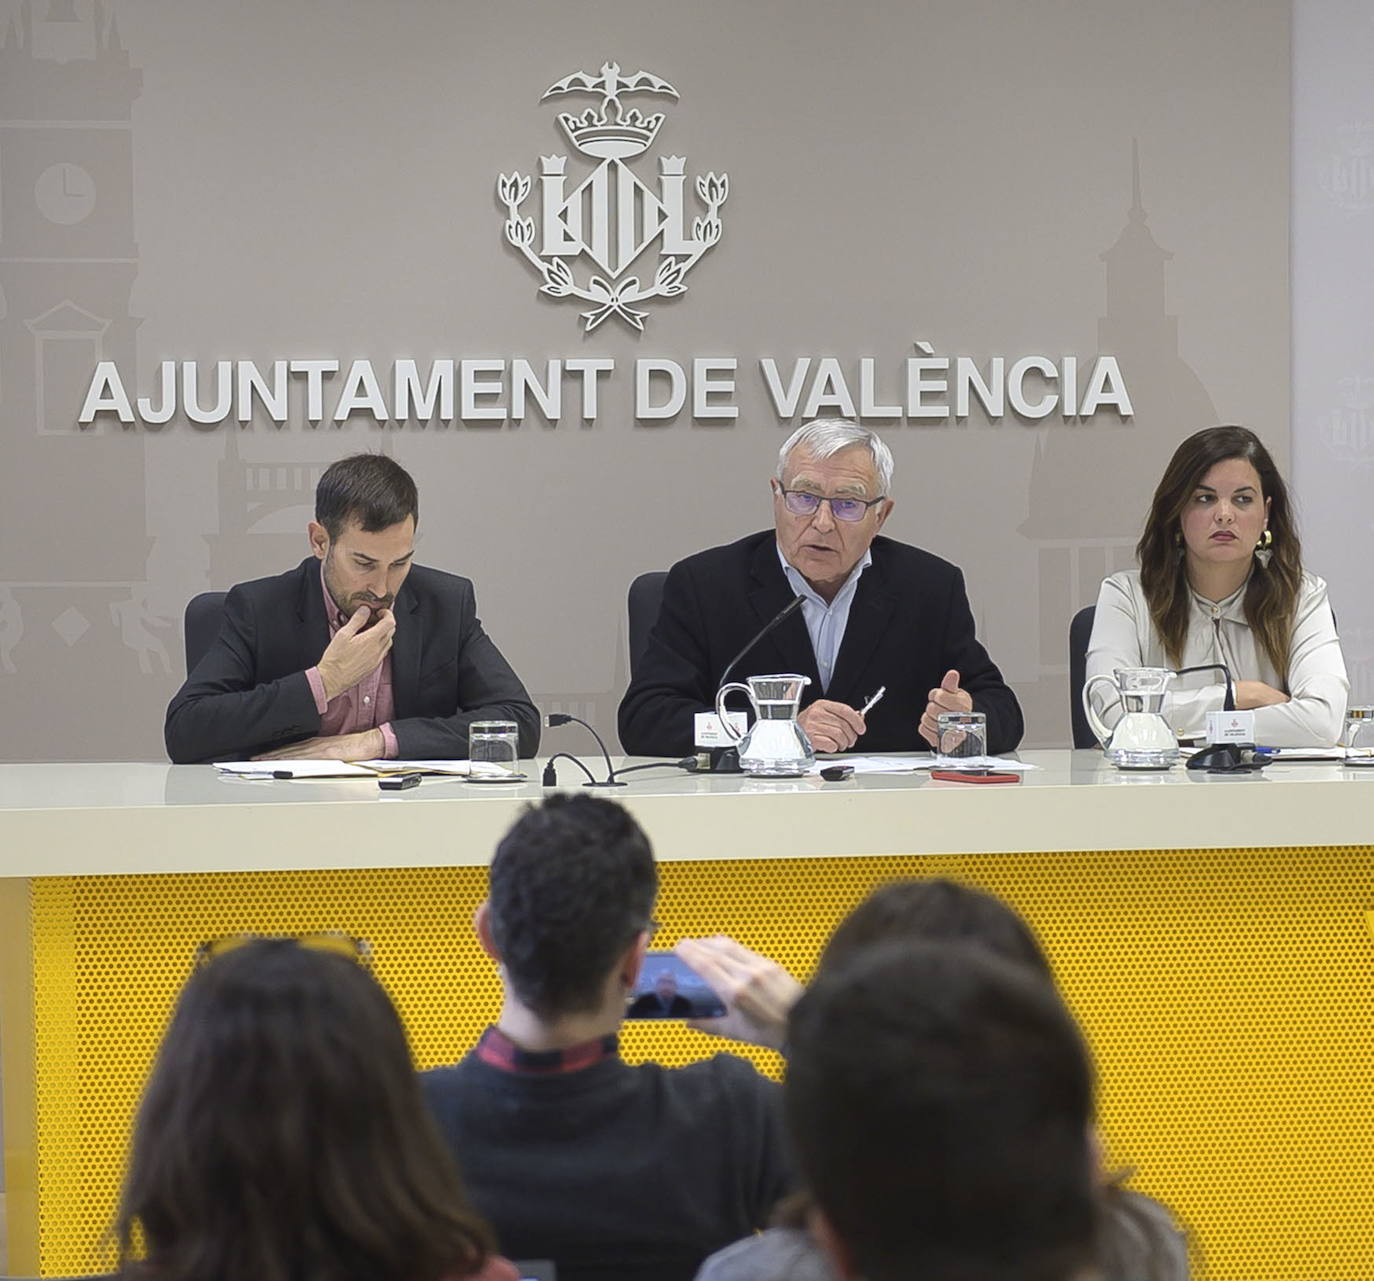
276 181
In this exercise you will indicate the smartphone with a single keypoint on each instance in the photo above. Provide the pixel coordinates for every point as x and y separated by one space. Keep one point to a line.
668 988
400 782
973 776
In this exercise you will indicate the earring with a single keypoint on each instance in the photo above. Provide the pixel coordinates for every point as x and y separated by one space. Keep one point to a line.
1266 541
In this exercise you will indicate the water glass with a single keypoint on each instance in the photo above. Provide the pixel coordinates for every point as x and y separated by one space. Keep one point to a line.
1358 738
494 743
962 739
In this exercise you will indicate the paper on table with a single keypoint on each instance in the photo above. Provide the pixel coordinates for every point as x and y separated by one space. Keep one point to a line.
915 764
288 769
464 768
296 769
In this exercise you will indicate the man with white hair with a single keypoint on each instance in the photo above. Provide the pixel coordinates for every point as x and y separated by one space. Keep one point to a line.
876 614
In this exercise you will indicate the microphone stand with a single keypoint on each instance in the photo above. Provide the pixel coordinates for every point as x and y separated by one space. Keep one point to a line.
1223 758
563 718
725 760
550 776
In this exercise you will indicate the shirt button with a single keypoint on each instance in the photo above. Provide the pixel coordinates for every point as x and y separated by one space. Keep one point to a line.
367 698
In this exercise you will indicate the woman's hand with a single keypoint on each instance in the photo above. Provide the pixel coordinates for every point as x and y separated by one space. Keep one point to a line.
758 993
1252 694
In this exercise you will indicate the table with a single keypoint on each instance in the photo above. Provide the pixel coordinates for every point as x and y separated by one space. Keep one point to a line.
1210 933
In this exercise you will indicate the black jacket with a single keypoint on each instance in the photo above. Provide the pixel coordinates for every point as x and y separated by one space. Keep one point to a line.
250 694
616 1172
909 624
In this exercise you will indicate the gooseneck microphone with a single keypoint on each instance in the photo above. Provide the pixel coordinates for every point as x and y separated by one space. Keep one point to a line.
550 777
1224 758
781 616
563 718
1228 704
725 760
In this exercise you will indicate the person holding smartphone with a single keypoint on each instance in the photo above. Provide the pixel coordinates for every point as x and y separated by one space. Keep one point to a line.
609 1169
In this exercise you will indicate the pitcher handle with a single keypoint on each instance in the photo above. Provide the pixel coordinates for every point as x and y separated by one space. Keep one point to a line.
1098 728
725 724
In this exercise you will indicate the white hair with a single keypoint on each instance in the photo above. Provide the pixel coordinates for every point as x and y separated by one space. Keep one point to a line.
827 436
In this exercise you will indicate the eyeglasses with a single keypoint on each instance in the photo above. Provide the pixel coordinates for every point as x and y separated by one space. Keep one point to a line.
801 502
333 942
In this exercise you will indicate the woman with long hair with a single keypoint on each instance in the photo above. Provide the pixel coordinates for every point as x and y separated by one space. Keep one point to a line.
283 1136
1221 582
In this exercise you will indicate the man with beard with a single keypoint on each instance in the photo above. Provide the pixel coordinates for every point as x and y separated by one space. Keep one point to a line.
355 654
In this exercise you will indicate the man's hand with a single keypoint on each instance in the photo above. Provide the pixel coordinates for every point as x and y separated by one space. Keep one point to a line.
367 746
831 727
1252 694
947 698
758 993
354 652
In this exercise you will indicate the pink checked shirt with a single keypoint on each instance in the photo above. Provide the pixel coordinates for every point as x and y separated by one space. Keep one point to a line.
368 705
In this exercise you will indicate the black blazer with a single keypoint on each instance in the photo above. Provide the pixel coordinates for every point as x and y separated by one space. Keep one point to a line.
909 624
250 694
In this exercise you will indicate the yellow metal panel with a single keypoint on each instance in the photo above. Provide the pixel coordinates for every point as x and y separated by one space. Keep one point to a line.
17 1056
1227 995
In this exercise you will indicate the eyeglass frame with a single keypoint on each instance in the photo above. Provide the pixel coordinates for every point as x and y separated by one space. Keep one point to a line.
223 944
866 503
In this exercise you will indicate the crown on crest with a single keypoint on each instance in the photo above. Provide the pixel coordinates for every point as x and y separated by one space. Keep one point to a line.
595 134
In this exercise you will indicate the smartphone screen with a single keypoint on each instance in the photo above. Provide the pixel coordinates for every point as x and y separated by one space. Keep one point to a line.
667 988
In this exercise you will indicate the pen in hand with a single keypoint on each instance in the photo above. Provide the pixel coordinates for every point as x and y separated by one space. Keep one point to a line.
874 701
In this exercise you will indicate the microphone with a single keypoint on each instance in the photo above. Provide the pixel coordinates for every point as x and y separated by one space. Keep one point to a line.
725 760
1228 703
1223 758
782 615
562 718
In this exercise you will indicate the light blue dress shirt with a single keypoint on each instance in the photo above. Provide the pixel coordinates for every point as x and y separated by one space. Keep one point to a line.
825 623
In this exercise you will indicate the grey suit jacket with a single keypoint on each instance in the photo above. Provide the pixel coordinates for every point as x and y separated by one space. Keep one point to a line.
250 694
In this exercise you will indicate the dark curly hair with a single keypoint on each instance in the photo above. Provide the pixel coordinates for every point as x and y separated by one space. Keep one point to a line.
572 884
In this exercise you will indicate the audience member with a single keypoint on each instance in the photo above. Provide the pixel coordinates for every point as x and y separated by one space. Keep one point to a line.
283 1136
1139 1240
616 1172
940 1100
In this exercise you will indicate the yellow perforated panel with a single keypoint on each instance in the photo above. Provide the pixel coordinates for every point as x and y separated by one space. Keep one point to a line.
1228 996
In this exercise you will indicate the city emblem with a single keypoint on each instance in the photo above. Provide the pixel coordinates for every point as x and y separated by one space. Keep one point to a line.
612 217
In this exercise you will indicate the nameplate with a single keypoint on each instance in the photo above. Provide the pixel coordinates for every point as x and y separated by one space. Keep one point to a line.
1231 727
711 733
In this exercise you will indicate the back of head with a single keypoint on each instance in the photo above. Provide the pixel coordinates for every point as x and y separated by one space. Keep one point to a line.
572 884
370 490
283 1134
933 910
939 1099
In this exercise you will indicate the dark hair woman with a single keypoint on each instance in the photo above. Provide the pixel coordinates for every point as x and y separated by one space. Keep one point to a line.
283 1135
1221 581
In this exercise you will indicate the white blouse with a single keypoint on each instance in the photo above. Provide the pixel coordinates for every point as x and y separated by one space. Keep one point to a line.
1124 636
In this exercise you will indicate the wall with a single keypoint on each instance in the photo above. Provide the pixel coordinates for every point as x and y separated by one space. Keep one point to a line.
262 181
1333 310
